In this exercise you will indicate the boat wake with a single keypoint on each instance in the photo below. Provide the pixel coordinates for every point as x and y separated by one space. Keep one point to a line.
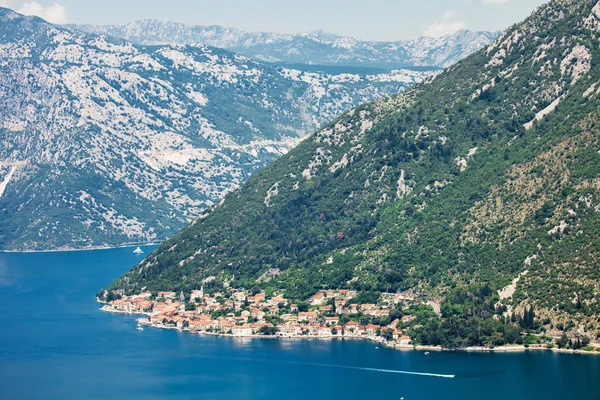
389 371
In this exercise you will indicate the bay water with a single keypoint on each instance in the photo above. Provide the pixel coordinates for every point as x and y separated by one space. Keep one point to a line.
55 343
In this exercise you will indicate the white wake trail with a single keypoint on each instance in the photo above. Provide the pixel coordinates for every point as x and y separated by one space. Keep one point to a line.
389 371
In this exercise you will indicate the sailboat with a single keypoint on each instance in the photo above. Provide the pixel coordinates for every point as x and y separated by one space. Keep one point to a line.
138 251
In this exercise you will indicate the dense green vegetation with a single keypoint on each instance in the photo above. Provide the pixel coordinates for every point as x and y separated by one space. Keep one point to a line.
448 194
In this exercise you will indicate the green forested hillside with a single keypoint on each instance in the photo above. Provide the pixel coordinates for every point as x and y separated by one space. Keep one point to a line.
453 189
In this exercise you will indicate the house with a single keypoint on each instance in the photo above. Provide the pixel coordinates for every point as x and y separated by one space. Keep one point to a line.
401 298
324 331
378 313
194 325
317 300
353 308
229 304
408 318
278 300
325 309
227 327
404 340
308 330
239 296
121 305
309 316
372 329
197 295
251 299
179 322
166 295
291 329
351 327
272 310
242 330
366 308
331 320
294 307
256 313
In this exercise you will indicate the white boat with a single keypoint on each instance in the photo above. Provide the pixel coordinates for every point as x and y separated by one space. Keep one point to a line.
426 353
139 328
138 251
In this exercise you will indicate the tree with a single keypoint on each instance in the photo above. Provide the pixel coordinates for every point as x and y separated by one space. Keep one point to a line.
528 320
255 290
112 296
562 342
268 330
332 303
387 334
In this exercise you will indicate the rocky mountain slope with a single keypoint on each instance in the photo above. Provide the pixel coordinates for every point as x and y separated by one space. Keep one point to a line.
480 188
105 142
316 47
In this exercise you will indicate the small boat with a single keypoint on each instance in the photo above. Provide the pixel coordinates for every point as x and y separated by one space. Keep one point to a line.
426 353
139 328
376 348
138 251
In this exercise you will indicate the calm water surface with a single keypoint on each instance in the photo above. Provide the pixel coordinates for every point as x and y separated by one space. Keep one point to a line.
56 344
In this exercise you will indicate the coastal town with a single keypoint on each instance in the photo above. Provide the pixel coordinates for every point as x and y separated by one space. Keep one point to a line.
327 314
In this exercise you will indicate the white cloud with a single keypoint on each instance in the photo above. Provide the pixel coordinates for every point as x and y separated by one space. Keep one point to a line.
495 1
447 25
54 13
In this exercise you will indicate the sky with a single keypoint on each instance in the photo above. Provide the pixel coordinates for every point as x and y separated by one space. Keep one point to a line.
384 20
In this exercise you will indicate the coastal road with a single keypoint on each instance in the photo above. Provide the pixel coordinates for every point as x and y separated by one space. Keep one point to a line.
436 307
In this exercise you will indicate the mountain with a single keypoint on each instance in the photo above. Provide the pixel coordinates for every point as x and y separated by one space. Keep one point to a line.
317 47
479 189
104 142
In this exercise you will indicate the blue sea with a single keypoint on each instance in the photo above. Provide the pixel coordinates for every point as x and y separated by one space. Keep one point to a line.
56 344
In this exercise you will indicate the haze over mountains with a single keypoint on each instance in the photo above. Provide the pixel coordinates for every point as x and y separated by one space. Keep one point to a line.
481 187
317 47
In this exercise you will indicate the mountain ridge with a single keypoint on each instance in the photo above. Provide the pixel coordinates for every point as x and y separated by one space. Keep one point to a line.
479 187
106 142
315 47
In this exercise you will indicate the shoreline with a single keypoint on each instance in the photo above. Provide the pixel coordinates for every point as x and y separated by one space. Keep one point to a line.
93 248
378 340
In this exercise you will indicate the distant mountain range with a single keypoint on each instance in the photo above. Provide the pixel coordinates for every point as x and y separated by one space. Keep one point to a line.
317 47
105 142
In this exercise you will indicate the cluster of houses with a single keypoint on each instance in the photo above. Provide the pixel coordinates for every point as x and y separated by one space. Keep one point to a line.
329 314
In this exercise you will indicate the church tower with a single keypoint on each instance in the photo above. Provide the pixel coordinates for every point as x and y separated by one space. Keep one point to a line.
181 301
